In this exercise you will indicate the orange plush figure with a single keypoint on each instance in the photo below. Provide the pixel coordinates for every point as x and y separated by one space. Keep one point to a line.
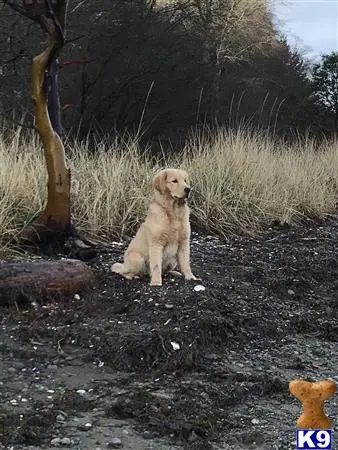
313 395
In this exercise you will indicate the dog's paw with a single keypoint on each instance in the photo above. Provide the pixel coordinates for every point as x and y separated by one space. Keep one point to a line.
191 277
175 273
117 268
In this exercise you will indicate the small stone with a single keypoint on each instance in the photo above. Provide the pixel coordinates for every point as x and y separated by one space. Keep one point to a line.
199 288
81 391
175 345
55 442
85 426
66 441
77 297
11 369
149 434
291 292
115 443
60 418
168 306
255 421
52 367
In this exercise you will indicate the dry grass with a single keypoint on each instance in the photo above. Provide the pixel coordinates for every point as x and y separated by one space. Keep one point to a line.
242 182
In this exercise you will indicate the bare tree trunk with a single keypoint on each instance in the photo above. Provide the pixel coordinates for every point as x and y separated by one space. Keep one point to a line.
55 220
54 108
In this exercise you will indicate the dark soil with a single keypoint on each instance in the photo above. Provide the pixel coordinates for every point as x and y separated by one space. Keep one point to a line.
134 367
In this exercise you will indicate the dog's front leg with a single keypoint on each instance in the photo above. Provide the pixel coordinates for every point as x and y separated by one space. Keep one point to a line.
184 260
155 263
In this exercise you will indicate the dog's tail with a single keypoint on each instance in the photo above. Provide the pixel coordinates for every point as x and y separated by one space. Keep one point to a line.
117 268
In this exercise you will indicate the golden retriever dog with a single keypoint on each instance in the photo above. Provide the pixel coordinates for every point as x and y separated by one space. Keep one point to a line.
163 239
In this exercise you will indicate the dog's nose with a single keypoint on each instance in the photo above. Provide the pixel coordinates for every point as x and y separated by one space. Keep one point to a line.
187 190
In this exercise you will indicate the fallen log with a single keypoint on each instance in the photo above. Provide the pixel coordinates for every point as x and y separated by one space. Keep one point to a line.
35 280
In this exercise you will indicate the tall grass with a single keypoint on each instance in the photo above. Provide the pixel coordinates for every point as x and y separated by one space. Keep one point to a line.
242 181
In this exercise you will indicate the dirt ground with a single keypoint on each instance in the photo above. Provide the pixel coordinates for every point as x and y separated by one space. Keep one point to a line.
174 367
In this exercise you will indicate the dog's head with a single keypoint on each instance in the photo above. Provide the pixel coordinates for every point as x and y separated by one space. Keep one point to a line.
173 183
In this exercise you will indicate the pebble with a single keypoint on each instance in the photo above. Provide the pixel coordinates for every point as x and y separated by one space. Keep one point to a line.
85 426
52 367
255 421
199 288
60 418
40 388
149 434
81 391
115 443
55 442
291 292
175 345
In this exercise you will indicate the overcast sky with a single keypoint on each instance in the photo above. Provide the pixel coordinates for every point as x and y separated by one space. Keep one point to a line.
310 25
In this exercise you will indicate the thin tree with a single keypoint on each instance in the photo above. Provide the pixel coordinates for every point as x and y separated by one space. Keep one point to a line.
55 220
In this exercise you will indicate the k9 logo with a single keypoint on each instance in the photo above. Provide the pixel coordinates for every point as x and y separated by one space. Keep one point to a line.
314 439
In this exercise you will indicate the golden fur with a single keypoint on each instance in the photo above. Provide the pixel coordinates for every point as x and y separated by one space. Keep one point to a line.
163 239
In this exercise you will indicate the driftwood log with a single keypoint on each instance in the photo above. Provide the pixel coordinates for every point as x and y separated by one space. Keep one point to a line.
35 280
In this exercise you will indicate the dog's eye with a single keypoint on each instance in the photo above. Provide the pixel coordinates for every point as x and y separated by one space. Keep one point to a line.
174 181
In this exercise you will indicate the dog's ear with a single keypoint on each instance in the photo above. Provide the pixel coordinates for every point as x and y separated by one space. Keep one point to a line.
159 181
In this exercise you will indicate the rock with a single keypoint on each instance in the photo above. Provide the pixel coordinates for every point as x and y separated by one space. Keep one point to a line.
149 434
85 426
55 442
115 443
199 288
291 292
60 418
175 345
81 391
255 421
66 441
52 367
40 388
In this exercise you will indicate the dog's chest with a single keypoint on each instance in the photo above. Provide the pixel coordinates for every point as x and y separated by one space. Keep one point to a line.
174 235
